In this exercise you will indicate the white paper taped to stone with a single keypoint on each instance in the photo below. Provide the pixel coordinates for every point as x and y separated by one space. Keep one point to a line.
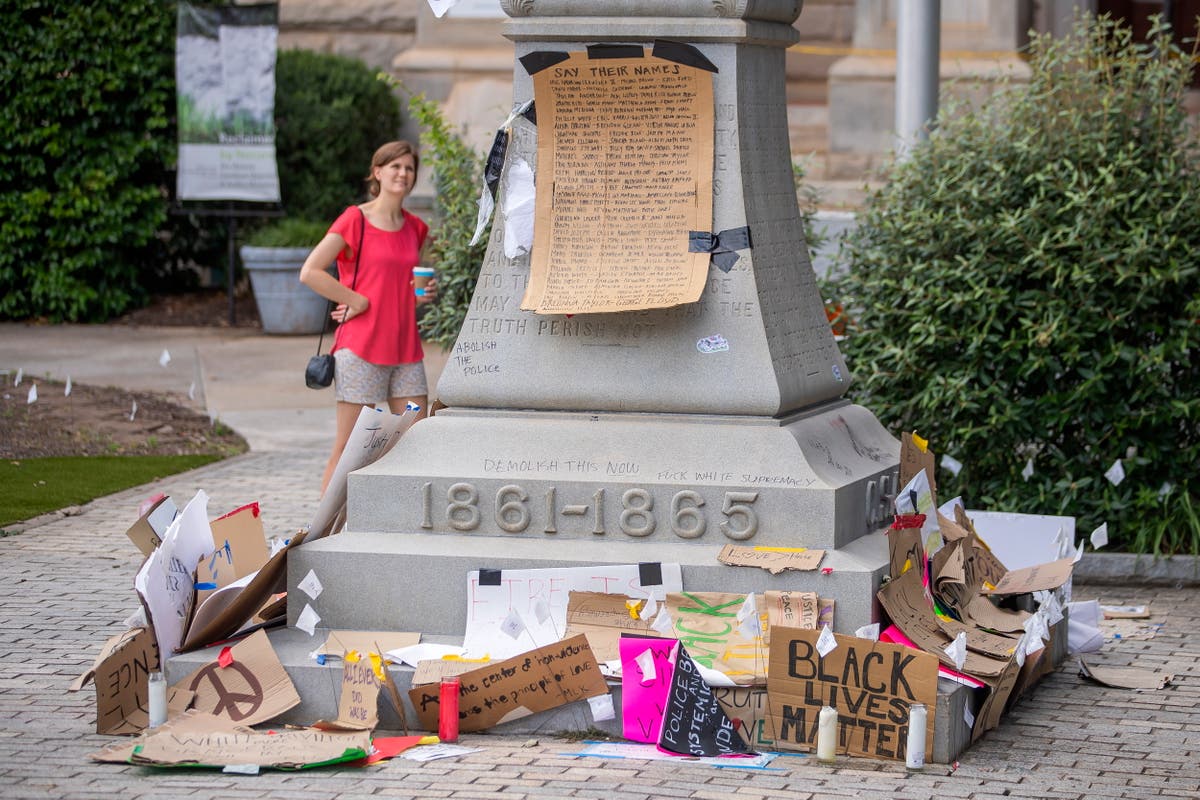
826 643
519 207
308 620
602 707
311 585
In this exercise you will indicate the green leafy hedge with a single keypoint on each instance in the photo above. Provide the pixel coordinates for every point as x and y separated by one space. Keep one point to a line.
1027 286
331 113
83 144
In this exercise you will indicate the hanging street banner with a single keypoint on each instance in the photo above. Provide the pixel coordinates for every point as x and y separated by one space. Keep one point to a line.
225 84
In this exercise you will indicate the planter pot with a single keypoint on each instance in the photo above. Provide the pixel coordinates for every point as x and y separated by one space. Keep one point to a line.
285 305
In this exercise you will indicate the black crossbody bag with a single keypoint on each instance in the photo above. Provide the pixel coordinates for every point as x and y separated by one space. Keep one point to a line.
319 372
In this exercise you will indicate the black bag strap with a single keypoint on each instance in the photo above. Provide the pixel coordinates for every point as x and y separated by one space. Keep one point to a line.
362 238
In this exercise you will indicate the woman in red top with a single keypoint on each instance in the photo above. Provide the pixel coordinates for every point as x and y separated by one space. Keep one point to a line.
377 349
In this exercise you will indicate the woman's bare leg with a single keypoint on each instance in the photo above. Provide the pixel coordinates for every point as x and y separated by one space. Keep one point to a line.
347 415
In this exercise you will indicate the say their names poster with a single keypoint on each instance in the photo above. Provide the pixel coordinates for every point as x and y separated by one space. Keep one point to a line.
870 684
624 175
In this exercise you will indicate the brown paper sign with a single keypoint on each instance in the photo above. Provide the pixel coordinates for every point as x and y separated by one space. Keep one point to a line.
433 670
624 175
993 707
871 684
358 706
912 460
253 689
338 643
1124 677
241 548
602 618
983 613
121 672
706 624
773 561
746 706
1037 578
538 680
791 610
278 749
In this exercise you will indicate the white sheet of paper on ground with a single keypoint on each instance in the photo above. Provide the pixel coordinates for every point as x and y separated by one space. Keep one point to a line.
1021 540
166 580
32 397
519 203
513 626
311 585
951 464
440 7
67 387
1099 537
425 651
308 619
602 707
488 605
430 752
868 632
826 642
957 650
164 359
1115 473
1027 472
645 663
1083 627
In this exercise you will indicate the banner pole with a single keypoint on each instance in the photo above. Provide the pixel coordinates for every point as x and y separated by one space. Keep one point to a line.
231 234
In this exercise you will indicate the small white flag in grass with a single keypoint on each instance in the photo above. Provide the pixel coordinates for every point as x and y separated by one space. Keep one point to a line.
192 391
164 359
826 643
662 623
311 585
1027 473
1115 473
541 611
32 395
513 625
649 609
133 411
1099 536
602 707
67 388
20 376
957 650
1165 489
645 663
308 619
951 464
868 632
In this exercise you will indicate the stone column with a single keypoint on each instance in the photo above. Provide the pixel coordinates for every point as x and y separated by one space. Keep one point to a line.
612 438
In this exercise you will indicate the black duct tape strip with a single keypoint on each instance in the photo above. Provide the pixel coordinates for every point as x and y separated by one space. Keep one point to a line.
530 113
489 577
539 60
721 245
650 573
682 53
616 51
495 161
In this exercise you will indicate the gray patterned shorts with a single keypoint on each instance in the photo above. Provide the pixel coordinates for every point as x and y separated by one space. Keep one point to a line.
360 381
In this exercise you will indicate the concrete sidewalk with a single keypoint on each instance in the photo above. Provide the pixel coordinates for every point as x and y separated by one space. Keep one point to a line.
68 585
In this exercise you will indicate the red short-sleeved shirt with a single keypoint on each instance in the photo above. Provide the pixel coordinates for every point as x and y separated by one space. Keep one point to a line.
387 333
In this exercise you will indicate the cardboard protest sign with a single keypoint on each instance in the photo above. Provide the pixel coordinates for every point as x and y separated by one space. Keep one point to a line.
148 531
990 644
986 615
647 664
188 723
625 154
540 679
693 722
241 549
774 560
746 707
433 670
1000 689
871 684
914 459
1124 677
338 643
905 551
276 749
121 672
707 624
791 610
1034 579
375 432
358 706
166 581
602 618
253 688
539 597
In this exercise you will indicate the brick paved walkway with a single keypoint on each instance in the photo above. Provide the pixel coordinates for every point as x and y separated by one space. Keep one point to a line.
67 585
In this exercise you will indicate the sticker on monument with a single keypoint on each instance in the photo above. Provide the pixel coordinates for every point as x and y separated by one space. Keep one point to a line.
713 344
837 373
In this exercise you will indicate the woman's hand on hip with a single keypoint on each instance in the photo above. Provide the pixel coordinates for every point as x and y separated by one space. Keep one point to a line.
345 313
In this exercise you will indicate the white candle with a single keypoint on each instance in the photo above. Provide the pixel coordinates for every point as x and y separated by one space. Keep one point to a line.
915 758
827 734
158 699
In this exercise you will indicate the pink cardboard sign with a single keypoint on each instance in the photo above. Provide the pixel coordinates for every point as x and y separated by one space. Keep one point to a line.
644 695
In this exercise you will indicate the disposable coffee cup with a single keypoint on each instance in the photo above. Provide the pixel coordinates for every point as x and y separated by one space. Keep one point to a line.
421 277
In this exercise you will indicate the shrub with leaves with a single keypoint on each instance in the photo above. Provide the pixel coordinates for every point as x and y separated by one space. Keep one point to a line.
85 121
1026 287
457 172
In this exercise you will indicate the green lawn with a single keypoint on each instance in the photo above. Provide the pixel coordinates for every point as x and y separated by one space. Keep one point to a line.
33 486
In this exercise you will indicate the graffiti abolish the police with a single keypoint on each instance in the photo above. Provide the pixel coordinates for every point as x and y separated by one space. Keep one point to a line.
870 684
